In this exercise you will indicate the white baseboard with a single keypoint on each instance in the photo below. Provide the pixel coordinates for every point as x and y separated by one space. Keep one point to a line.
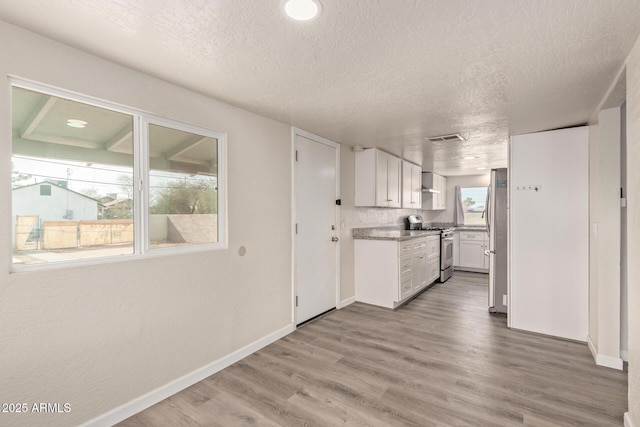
627 420
624 355
348 301
141 403
604 360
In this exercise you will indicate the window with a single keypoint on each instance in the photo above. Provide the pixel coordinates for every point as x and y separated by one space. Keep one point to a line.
183 188
118 182
474 201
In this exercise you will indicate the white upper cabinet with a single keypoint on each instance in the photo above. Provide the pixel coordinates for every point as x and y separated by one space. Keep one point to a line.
378 179
438 200
411 186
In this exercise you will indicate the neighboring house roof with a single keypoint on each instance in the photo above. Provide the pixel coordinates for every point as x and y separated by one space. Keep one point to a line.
59 186
107 199
117 202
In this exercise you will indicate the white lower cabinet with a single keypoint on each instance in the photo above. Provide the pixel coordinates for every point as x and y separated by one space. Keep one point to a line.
433 270
388 272
472 245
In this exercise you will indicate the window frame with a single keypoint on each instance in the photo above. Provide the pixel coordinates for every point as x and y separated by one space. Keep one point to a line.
464 213
140 157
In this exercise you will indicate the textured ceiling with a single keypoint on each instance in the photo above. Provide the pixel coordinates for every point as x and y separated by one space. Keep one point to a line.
384 73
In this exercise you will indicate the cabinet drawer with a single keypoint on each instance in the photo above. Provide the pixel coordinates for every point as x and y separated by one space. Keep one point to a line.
406 266
406 286
413 245
433 247
419 244
472 235
405 247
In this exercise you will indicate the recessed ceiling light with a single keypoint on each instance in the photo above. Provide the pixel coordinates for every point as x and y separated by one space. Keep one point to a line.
75 123
481 169
469 157
302 10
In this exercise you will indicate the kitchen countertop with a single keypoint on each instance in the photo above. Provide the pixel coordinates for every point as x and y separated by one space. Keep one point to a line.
471 228
390 233
398 233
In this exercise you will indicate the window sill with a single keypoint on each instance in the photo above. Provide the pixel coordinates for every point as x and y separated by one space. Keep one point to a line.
153 253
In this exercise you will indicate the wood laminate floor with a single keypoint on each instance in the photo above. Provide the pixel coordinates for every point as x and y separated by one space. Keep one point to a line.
440 360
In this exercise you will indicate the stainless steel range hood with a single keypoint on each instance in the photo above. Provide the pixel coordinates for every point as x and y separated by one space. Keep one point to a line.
427 183
430 190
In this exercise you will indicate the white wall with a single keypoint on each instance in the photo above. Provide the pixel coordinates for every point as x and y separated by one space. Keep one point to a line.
604 238
99 336
633 229
463 181
624 265
594 137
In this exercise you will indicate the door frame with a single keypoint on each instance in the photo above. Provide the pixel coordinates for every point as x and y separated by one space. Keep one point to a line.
299 132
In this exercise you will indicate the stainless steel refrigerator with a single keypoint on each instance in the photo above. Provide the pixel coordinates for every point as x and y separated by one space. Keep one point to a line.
497 221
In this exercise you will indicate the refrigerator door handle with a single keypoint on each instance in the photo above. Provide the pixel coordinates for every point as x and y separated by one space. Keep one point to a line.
487 210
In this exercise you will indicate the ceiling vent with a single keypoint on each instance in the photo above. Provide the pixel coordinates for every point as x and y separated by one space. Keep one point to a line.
454 137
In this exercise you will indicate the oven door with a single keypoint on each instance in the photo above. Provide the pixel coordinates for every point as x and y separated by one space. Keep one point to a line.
446 251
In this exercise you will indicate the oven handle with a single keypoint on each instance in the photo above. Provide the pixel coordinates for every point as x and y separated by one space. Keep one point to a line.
449 238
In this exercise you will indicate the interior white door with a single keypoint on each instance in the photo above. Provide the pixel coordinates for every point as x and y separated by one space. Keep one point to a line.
316 238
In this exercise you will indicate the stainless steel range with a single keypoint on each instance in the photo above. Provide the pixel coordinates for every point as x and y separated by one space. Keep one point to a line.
414 222
446 253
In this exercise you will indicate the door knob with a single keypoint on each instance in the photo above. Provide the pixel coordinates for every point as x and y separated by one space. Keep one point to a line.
334 239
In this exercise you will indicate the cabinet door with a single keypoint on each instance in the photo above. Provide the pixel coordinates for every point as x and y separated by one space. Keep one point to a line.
394 181
382 189
435 196
416 186
472 253
438 187
443 192
433 246
407 185
411 186
433 270
456 249
435 201
420 274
